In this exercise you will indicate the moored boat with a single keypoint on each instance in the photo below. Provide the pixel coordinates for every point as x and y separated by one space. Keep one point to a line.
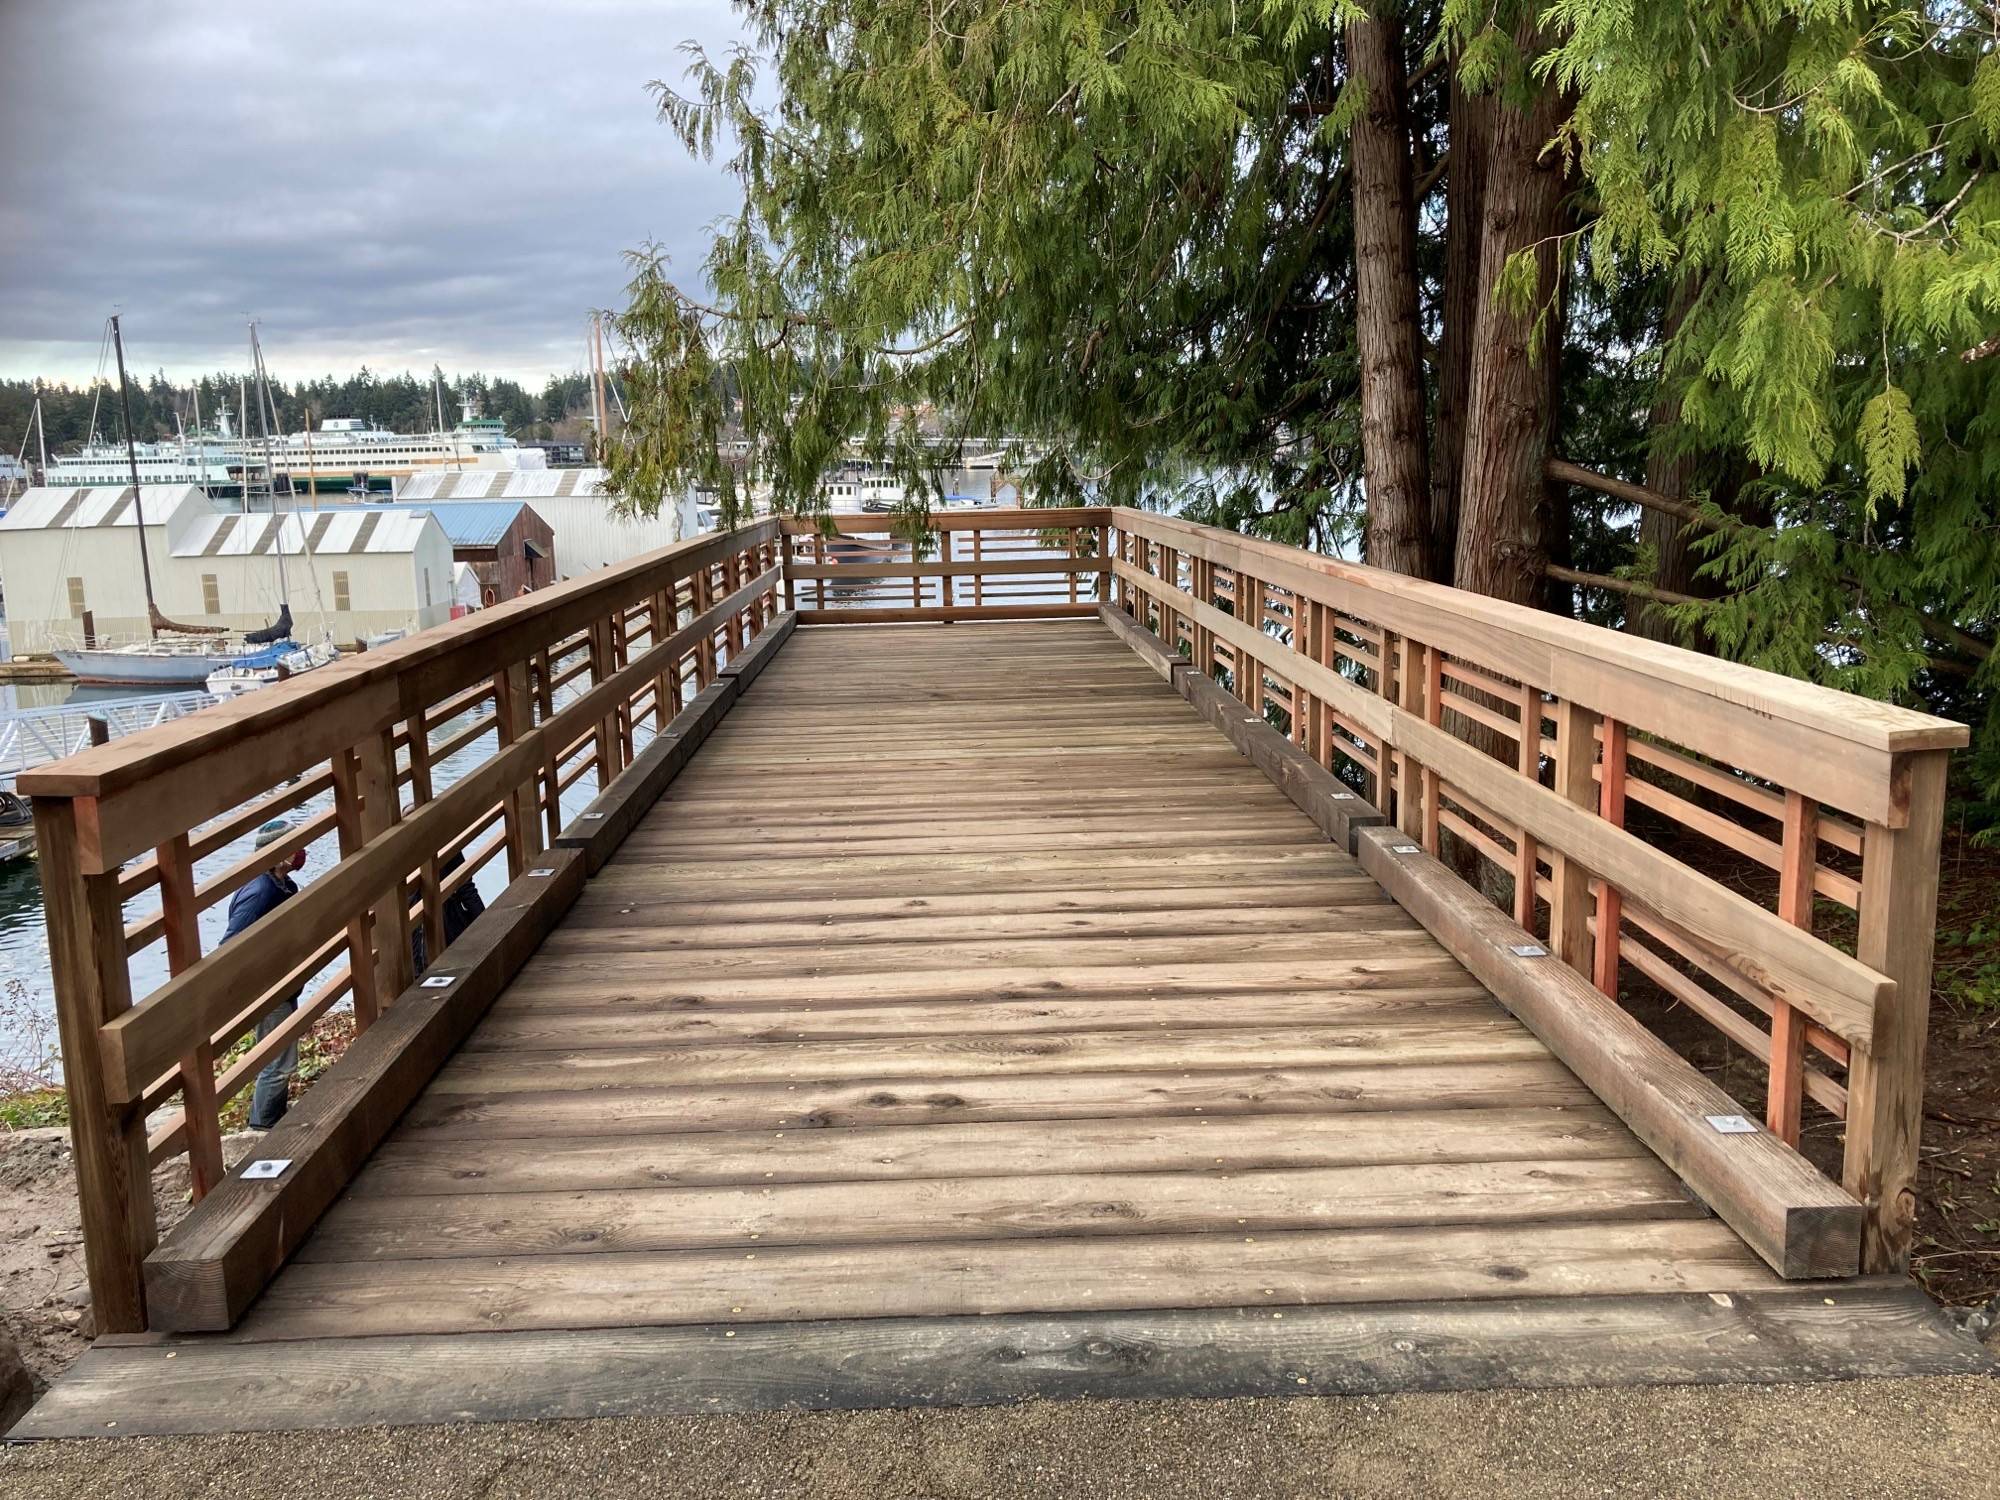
274 663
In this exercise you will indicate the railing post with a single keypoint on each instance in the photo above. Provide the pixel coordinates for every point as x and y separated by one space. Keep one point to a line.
1103 588
1249 671
86 925
1569 904
422 789
1885 1082
704 669
667 686
785 563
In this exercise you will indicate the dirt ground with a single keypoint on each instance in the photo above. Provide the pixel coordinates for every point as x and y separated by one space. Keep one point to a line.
1908 1439
44 1298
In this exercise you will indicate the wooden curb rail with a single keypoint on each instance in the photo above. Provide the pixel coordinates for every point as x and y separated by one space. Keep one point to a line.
1797 1220
1338 811
213 1263
1792 1216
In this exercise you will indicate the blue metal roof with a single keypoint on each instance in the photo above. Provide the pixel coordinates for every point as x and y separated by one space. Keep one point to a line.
467 523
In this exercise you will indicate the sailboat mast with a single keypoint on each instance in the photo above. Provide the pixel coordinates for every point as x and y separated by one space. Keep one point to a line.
270 466
138 502
41 432
603 415
200 443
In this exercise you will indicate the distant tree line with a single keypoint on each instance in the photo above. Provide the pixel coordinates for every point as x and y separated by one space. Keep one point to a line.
399 403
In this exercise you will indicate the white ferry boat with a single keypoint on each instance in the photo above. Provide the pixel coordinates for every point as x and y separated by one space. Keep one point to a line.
347 454
216 464
344 455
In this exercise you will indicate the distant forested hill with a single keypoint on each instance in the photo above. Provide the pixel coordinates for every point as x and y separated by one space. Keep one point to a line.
401 403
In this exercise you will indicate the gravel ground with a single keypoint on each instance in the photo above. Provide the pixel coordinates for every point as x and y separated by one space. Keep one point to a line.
1884 1440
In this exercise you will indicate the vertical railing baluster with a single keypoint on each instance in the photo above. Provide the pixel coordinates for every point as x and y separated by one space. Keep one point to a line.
1799 857
1610 900
429 881
1528 761
180 916
1569 906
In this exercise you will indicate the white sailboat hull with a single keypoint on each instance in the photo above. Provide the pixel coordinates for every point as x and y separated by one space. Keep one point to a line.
143 668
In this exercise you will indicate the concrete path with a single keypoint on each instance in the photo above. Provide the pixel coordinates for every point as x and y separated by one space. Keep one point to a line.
1910 1439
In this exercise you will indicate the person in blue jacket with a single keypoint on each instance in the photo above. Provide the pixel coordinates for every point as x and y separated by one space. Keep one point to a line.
266 893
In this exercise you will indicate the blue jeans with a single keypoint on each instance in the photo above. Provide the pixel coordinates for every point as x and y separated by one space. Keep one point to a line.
272 1096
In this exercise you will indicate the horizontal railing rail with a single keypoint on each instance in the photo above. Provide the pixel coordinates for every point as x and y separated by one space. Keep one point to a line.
404 772
1519 743
977 564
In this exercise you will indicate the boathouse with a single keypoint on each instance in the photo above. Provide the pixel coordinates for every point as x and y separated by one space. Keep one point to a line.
587 534
506 543
65 552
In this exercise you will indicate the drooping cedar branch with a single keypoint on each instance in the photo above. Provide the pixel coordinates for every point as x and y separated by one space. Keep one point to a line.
1564 472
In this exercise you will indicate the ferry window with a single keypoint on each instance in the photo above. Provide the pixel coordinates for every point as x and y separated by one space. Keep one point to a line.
76 596
211 595
340 595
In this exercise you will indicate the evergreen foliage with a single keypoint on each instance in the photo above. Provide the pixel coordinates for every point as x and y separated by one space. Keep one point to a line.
397 403
1123 230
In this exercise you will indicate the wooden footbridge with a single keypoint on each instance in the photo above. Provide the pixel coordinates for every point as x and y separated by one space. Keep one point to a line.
1194 970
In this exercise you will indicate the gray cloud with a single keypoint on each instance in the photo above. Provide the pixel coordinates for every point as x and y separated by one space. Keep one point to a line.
449 181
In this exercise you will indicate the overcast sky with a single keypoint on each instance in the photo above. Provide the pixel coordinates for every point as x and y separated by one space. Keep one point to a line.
396 185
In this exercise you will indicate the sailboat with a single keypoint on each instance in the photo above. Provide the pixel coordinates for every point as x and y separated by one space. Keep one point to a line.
173 654
275 655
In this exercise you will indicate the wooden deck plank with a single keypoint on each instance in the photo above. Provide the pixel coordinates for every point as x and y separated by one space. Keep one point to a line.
408 1166
536 1030
1091 1054
1192 1198
1018 1096
1297 1268
552 984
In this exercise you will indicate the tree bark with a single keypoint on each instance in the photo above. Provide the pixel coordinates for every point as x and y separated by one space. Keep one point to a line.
1385 321
1471 125
1670 471
1510 416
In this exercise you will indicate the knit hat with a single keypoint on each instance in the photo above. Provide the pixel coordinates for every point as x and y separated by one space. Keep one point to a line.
272 831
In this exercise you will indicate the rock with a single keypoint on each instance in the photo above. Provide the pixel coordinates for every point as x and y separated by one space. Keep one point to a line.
17 1386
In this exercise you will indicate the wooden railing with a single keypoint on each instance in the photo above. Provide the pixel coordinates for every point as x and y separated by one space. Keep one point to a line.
405 770
1520 744
968 565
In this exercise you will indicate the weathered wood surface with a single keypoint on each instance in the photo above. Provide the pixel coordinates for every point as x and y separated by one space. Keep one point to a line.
1834 1333
885 901
968 972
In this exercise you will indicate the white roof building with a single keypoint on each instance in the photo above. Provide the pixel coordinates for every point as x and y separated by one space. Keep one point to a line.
346 574
574 503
